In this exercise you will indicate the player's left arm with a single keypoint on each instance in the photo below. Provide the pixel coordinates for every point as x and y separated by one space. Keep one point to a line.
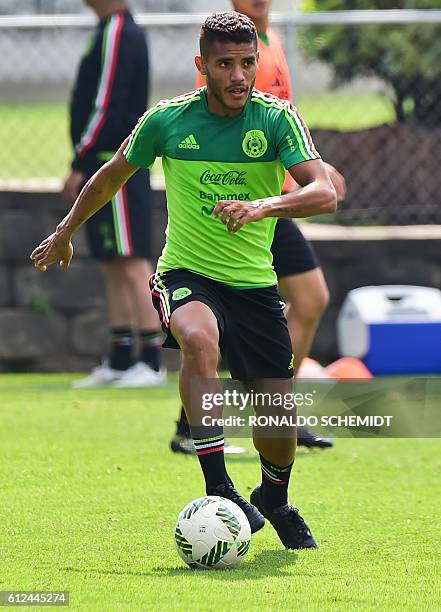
338 181
315 196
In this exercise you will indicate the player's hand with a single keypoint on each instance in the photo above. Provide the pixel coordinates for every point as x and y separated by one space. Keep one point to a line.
72 186
54 248
235 213
338 181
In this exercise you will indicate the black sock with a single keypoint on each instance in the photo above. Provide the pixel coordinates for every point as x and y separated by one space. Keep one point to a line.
275 480
210 452
150 342
121 348
182 426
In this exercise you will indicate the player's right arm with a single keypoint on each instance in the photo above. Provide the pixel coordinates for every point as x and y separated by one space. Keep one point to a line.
99 190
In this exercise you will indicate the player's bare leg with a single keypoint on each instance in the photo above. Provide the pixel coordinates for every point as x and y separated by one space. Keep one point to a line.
129 311
195 329
182 441
130 306
121 319
119 302
307 296
134 272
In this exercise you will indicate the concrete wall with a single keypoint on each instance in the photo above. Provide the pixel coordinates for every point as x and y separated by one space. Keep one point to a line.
57 321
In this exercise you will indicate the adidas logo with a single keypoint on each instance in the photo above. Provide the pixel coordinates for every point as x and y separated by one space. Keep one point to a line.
189 143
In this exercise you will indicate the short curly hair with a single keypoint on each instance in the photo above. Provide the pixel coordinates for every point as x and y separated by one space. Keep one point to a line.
226 27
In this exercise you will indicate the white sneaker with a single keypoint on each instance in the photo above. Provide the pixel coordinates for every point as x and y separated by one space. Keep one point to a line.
141 375
101 376
231 449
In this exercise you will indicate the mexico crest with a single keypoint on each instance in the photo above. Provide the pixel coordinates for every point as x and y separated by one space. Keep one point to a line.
254 144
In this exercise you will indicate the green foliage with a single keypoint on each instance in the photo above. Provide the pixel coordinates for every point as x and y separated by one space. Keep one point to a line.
407 58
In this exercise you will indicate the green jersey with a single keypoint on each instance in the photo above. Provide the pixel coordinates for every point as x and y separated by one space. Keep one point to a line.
207 158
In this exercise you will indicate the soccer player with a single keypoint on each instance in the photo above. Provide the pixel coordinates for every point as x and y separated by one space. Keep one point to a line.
300 278
224 149
109 95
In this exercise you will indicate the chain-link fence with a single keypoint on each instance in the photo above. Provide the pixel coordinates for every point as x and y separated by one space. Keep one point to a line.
369 88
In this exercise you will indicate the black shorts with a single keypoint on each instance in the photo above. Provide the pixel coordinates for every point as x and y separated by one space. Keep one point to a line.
292 253
122 228
253 334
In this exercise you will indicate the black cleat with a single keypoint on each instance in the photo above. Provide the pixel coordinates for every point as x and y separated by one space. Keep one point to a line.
292 530
253 515
312 439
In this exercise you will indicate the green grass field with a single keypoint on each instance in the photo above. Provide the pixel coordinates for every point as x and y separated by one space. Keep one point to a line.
39 144
89 493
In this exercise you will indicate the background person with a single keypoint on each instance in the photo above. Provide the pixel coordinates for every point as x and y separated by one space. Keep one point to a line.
109 95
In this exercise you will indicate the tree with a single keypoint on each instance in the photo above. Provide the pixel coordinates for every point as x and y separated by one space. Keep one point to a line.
405 57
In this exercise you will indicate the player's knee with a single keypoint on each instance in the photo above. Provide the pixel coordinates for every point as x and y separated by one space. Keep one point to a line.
135 270
200 343
310 307
321 301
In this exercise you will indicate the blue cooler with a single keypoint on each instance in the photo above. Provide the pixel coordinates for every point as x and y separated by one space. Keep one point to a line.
393 329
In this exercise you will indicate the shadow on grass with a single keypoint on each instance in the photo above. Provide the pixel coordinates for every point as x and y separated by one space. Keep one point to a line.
266 563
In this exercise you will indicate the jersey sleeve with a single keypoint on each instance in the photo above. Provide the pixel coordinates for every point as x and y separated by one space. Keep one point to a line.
294 142
144 144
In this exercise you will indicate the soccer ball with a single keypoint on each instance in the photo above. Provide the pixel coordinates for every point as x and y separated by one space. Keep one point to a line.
212 532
